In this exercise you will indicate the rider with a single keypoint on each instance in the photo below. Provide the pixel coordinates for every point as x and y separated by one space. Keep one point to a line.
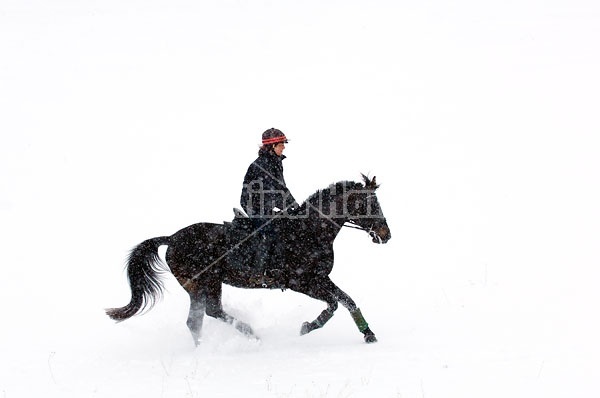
266 196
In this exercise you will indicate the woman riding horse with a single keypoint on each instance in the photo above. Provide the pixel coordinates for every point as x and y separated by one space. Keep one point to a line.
199 257
264 196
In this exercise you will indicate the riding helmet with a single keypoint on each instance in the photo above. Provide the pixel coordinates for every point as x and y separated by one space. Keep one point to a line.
273 136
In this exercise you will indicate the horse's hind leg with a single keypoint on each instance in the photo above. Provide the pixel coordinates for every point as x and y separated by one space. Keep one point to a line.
196 315
195 318
214 308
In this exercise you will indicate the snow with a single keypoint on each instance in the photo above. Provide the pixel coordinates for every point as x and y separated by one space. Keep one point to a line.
122 121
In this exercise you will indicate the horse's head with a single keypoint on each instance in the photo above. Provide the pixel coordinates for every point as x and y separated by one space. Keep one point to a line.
347 202
363 210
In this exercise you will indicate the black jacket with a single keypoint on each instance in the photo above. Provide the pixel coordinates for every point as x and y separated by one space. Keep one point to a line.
264 187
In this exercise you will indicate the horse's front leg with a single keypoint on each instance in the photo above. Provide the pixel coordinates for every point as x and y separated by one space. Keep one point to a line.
350 305
315 290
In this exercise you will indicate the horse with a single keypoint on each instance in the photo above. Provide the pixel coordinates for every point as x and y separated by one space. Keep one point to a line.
203 256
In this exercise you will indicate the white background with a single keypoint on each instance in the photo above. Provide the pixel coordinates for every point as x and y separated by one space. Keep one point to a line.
125 120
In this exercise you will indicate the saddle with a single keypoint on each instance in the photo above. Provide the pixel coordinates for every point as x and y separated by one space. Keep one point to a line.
240 239
247 251
239 228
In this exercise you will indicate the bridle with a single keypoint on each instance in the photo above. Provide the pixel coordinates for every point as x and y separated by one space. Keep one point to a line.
353 224
356 226
369 230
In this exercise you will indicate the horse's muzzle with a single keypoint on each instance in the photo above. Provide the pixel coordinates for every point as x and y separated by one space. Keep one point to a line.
380 235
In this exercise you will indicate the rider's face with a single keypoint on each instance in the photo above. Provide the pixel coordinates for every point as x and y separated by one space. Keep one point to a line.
279 148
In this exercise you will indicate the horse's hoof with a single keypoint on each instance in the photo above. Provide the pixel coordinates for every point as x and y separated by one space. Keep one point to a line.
245 329
305 329
370 338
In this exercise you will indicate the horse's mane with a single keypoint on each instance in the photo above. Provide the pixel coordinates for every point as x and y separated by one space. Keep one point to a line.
324 195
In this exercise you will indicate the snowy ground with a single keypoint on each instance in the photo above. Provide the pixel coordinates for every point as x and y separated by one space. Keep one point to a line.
122 121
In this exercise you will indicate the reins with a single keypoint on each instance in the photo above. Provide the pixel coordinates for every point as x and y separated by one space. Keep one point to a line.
355 226
369 230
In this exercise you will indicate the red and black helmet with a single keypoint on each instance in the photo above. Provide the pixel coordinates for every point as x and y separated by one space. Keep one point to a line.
273 136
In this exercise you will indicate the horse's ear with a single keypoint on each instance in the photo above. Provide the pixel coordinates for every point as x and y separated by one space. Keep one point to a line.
365 180
370 183
375 182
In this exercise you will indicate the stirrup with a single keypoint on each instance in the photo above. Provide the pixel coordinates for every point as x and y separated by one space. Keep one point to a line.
274 273
263 279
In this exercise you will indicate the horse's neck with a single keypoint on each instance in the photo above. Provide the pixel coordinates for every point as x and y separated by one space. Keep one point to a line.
325 225
324 217
336 225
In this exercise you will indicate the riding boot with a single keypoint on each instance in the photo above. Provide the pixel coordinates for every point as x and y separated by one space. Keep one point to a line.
262 254
270 262
276 267
278 255
261 260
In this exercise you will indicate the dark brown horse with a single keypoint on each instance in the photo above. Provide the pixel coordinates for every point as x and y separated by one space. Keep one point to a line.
204 256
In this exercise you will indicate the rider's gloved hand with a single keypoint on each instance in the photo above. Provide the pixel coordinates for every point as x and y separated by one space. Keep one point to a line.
292 209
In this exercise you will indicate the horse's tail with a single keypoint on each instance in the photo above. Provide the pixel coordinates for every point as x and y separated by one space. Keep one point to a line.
144 268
